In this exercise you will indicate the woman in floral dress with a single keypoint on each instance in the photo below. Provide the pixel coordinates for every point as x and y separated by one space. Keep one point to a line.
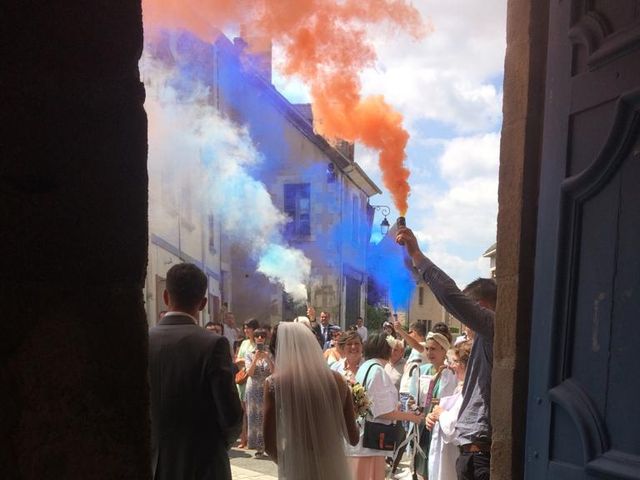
247 346
259 367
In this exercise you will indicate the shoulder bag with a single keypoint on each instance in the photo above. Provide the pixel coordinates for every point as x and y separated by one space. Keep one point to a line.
241 376
380 436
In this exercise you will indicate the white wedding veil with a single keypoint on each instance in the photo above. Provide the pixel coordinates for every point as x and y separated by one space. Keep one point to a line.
310 422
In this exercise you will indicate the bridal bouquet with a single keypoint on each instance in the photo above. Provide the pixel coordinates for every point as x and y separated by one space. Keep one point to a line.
361 402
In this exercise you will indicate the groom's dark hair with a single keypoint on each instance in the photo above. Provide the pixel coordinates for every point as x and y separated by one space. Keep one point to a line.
186 284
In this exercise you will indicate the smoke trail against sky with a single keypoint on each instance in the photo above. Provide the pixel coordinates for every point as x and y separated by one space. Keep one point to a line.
326 46
191 144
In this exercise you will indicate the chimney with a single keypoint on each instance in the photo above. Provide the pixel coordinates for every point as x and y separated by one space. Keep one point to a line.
347 149
257 50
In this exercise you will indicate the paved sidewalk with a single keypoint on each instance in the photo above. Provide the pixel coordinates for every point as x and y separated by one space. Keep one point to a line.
239 473
244 466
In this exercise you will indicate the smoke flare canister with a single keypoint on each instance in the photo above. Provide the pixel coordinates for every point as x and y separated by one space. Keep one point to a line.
401 222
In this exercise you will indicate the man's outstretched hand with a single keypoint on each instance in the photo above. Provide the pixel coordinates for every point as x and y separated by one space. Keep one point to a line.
405 237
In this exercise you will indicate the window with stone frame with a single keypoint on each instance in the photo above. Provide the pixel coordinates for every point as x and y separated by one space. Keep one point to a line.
297 206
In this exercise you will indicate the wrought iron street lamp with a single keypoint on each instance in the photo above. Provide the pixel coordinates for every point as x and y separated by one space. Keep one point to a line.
384 210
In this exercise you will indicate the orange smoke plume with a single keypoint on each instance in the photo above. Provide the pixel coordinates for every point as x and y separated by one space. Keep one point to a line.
204 18
326 46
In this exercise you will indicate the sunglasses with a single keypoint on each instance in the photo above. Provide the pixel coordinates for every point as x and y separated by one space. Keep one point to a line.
260 335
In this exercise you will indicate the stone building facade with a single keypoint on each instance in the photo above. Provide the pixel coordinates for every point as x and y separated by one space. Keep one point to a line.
319 186
424 306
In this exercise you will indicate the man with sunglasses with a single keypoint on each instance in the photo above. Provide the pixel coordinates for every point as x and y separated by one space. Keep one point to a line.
195 410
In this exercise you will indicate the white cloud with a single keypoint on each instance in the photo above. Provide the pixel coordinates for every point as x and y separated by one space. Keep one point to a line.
367 158
461 217
446 75
466 214
470 157
293 89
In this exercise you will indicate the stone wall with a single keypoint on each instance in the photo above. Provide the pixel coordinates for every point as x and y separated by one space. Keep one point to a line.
517 197
73 215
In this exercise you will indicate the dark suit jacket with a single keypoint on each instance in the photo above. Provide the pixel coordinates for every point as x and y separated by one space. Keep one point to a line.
195 409
315 328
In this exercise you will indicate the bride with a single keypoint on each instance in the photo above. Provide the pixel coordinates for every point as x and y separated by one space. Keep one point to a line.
308 409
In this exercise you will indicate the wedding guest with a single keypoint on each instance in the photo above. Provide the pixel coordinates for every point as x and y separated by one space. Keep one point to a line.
334 353
397 362
315 325
367 463
387 328
443 451
361 329
443 328
326 327
259 367
247 346
414 338
350 345
475 307
442 382
215 327
231 331
395 369
467 335
409 382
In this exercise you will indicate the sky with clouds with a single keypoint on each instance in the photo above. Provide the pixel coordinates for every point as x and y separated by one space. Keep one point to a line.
448 86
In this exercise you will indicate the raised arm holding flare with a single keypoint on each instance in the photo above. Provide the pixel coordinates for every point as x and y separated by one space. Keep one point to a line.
475 308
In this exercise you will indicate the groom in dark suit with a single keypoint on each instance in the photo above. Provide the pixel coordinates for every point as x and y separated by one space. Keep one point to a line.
195 409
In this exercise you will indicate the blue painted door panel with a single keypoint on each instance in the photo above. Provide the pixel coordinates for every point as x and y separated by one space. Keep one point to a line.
584 385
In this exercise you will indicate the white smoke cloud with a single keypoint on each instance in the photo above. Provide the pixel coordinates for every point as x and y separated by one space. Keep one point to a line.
191 144
284 265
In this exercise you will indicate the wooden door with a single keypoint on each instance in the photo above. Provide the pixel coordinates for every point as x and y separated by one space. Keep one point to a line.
352 305
584 387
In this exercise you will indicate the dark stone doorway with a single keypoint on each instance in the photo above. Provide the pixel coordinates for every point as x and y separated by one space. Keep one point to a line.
73 216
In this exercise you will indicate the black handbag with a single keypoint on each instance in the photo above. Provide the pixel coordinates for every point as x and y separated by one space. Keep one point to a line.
380 436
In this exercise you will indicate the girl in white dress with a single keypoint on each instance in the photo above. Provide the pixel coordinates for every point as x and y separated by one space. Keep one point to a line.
443 451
